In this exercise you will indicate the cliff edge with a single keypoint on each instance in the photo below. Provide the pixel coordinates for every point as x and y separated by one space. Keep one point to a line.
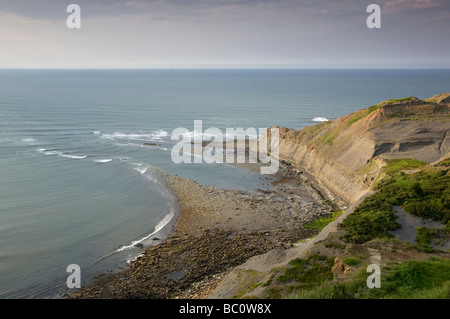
346 154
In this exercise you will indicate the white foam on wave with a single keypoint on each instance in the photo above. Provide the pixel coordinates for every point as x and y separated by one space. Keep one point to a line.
320 119
52 152
155 135
72 156
106 160
166 220
130 259
29 140
141 168
160 133
60 154
165 192
236 134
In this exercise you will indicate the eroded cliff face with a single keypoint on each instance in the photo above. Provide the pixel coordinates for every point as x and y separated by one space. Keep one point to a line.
346 155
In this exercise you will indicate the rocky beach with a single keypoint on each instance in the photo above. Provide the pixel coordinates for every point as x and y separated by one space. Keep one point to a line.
215 231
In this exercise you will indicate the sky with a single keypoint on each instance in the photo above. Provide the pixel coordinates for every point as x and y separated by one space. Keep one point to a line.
224 34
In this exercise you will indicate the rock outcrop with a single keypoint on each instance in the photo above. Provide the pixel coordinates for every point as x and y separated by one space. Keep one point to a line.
346 154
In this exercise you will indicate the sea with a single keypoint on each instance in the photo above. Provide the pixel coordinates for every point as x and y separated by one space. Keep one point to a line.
83 153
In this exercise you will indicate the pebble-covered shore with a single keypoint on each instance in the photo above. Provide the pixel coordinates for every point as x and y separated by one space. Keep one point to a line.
215 231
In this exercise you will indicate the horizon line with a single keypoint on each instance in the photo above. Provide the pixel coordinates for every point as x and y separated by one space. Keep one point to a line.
224 68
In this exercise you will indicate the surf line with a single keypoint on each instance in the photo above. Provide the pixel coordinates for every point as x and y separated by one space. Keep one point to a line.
166 220
158 227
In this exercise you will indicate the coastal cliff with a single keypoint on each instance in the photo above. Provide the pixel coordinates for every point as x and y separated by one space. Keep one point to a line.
389 162
346 155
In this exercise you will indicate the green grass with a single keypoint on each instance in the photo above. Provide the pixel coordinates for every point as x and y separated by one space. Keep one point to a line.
360 114
309 132
355 118
320 223
397 165
335 245
426 237
405 116
423 279
425 193
328 138
372 108
431 101
351 261
445 163
366 224
392 101
310 272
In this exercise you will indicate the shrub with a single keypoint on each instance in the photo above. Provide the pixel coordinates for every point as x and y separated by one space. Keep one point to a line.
362 225
425 193
309 272
424 279
351 261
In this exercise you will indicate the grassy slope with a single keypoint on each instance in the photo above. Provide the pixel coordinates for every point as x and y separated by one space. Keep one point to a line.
312 277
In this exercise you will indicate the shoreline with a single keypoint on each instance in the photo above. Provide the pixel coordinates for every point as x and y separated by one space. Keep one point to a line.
214 231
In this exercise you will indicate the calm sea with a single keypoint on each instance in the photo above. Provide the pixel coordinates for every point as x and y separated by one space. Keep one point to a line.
78 185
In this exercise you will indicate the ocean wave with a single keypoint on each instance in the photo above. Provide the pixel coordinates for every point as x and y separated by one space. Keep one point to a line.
130 259
141 167
141 170
203 136
29 140
72 156
60 154
320 119
165 191
155 135
163 223
106 160
49 152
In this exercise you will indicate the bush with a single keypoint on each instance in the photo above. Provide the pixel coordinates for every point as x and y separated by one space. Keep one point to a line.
351 261
362 225
416 189
424 279
309 272
425 193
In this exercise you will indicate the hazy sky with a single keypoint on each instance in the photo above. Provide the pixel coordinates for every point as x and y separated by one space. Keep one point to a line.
224 33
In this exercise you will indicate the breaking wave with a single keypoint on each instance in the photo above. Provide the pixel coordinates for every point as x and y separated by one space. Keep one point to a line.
320 119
